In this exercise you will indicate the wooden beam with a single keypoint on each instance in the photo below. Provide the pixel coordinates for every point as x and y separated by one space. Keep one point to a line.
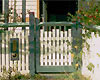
6 8
44 11
3 6
38 9
14 11
31 44
56 24
5 25
23 10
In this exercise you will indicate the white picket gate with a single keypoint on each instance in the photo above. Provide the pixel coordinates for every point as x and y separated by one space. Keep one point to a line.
54 50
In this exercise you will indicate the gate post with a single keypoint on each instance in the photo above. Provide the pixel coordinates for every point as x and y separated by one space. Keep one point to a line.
6 10
31 44
23 10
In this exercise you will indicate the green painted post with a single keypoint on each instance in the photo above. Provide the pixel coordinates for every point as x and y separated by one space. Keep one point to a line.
6 10
44 12
14 11
36 44
31 44
23 10
37 48
77 41
0 44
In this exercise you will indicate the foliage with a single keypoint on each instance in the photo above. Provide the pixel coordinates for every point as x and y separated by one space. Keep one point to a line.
72 76
98 54
88 13
87 16
39 77
1 31
13 14
90 66
13 74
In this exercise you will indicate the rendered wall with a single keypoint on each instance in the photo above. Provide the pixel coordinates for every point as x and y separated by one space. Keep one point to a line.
92 56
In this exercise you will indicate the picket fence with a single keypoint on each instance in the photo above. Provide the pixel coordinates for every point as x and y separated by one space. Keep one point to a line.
22 64
46 47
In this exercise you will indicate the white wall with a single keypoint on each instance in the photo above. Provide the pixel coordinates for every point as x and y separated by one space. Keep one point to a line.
92 57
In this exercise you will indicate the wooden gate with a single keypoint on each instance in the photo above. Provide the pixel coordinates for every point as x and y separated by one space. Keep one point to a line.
46 49
53 47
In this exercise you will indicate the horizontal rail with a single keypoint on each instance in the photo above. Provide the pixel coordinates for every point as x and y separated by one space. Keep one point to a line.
14 25
95 27
55 24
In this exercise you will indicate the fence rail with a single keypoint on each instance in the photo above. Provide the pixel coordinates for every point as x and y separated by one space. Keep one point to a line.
5 25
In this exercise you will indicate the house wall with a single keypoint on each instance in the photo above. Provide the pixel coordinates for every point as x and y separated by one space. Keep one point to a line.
31 5
92 56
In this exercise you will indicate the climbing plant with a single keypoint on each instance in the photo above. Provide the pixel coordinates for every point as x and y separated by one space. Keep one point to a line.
88 19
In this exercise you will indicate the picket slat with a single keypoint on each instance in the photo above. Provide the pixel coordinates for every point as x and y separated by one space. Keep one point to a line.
19 61
69 47
27 49
23 51
57 47
53 48
49 46
61 47
41 47
45 60
7 51
65 46
3 50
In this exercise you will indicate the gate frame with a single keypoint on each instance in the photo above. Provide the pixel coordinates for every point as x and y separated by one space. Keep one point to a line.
49 68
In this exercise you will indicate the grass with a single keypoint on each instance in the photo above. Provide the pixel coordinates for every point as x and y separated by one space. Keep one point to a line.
7 75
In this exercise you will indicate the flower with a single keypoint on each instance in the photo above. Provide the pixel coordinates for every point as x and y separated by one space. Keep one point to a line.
96 10
72 55
75 47
94 16
77 65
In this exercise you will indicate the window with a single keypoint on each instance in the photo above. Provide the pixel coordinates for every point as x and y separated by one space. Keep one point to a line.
0 6
57 10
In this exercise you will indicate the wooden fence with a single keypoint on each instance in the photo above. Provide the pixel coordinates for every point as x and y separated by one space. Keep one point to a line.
22 64
49 47
46 48
15 46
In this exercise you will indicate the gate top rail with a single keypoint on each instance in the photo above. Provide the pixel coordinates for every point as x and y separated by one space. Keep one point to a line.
5 25
94 27
55 24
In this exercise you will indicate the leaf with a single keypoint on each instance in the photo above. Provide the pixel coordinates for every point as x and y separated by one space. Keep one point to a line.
1 31
90 66
98 54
